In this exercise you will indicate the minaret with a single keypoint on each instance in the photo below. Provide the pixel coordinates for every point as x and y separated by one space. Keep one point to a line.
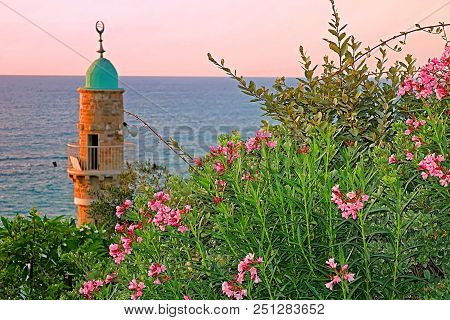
97 159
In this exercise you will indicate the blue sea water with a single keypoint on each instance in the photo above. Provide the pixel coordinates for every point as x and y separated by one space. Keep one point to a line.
39 114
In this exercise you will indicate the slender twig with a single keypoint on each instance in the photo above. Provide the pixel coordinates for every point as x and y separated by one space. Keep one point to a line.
159 136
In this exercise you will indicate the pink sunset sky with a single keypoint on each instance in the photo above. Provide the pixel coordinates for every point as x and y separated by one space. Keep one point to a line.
171 38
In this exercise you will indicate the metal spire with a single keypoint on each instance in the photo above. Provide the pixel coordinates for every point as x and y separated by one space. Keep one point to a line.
100 27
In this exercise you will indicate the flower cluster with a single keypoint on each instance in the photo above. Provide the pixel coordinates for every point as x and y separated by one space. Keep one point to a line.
431 166
219 167
120 210
350 204
127 231
433 78
338 276
248 265
234 288
155 271
136 288
413 124
230 151
261 137
110 277
118 251
89 287
392 159
165 215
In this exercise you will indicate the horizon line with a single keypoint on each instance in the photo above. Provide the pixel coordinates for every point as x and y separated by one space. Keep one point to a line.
154 76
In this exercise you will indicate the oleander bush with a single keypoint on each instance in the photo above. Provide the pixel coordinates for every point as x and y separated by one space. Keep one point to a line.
275 218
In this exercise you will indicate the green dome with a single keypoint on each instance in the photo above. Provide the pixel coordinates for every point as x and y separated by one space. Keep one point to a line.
102 75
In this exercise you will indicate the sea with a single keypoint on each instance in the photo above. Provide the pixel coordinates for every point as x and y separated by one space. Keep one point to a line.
39 115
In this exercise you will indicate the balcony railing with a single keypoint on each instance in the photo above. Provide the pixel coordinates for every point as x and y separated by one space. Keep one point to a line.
99 160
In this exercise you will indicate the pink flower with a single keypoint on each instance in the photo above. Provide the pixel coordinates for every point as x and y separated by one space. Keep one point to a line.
186 297
329 285
271 144
392 159
198 162
248 264
251 145
126 244
165 215
432 78
240 277
331 264
409 156
254 143
219 167
155 270
431 166
232 290
89 287
351 195
415 139
337 277
254 275
441 92
116 253
123 208
119 227
350 277
240 294
408 132
349 205
136 288
217 200
110 277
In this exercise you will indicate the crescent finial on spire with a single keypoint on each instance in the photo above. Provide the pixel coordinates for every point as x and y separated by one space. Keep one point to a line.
100 27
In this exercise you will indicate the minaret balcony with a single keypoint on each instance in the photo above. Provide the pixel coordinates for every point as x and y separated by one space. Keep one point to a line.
102 161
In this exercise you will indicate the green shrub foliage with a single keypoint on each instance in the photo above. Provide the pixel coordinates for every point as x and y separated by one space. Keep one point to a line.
41 258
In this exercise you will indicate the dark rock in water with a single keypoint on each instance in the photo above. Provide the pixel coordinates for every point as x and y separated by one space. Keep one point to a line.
54 164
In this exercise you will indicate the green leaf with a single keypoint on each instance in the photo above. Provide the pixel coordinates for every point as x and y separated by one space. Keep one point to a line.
333 46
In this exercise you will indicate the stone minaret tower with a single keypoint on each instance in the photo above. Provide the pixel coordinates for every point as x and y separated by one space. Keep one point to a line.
97 158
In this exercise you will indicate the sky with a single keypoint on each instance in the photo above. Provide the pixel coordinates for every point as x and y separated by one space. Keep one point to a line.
172 37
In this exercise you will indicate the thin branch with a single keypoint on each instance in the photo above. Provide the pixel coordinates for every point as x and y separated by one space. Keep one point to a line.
159 137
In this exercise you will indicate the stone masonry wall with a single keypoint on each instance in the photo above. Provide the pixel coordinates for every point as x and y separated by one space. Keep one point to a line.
101 113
